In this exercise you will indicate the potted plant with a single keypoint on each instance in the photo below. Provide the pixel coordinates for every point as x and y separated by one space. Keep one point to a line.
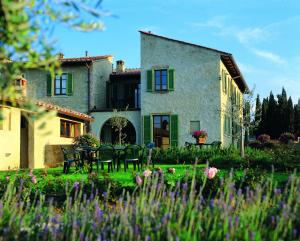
200 136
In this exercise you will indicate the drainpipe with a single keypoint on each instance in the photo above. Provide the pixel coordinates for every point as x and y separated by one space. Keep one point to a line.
89 66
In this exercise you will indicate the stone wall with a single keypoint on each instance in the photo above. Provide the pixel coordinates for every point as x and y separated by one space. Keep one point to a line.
197 85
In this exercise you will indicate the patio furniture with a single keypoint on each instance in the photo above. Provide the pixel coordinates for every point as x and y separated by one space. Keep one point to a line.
103 154
118 155
70 156
132 155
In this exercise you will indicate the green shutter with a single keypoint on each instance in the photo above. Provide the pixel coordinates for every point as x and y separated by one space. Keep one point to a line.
174 130
147 129
149 80
49 85
171 78
70 84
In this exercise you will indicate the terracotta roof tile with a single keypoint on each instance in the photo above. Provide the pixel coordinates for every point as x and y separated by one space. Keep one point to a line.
83 59
63 110
127 72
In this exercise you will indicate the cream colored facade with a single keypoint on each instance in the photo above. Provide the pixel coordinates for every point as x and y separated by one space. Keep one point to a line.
230 107
26 143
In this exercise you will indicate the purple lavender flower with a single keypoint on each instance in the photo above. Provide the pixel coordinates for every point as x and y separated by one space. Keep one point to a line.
76 185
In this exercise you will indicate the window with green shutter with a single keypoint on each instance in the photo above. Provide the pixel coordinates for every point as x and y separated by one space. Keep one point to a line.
161 80
147 129
174 130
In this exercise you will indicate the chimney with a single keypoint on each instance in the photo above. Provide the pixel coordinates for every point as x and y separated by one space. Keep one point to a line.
21 86
60 55
120 66
86 53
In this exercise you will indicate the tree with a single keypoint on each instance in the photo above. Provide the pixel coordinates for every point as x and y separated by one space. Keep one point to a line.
257 115
25 27
118 123
282 118
297 120
290 116
271 117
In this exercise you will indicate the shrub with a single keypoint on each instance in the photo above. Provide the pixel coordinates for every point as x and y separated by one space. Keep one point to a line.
86 140
286 137
255 144
263 138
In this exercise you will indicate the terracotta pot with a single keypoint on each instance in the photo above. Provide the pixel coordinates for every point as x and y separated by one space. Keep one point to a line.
201 140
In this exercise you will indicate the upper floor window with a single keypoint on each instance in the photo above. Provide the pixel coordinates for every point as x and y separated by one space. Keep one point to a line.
161 79
60 84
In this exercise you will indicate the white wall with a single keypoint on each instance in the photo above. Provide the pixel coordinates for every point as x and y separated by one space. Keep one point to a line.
101 117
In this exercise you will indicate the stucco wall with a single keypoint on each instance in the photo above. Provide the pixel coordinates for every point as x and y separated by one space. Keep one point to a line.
101 117
197 85
10 139
37 88
41 133
100 75
226 107
49 135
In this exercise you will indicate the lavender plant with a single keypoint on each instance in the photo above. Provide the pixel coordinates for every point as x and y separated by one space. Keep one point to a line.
157 212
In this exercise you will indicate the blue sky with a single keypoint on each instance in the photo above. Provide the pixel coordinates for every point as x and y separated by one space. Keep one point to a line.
263 35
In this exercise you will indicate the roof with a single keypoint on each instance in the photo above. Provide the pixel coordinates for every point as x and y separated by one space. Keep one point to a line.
64 111
49 106
127 72
83 59
227 59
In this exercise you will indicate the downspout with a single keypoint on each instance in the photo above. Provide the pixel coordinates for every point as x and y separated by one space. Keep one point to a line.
88 66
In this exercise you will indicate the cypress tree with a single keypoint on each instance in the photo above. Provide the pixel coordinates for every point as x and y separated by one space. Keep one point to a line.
272 117
258 116
297 119
262 128
290 116
282 109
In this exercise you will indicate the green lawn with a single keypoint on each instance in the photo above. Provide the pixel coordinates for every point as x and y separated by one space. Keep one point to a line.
126 178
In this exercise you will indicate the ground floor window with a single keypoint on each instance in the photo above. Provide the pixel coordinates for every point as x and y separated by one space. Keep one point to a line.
69 129
161 131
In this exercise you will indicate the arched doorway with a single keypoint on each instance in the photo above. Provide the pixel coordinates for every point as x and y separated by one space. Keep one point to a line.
24 160
109 135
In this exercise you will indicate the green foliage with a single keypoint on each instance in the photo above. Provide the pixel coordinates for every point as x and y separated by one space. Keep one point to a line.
286 138
86 140
25 41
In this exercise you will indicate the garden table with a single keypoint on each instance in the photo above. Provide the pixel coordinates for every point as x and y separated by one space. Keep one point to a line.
119 151
86 154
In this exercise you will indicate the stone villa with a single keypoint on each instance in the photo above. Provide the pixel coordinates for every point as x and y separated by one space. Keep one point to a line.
180 87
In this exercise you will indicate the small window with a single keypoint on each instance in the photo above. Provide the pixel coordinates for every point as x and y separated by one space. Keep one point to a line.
69 129
161 79
60 84
194 126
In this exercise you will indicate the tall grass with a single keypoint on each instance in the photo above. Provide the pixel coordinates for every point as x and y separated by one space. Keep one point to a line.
157 212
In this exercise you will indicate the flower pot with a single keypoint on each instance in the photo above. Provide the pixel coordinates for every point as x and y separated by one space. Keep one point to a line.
201 140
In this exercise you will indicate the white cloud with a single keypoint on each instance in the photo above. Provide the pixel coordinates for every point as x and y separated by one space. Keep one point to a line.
269 56
250 35
215 22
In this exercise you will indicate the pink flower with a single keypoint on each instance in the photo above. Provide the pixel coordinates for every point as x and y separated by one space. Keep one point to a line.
33 179
200 133
138 180
147 173
210 172
31 173
7 178
171 170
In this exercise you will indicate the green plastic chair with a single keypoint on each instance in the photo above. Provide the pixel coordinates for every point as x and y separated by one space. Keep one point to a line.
132 154
104 154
